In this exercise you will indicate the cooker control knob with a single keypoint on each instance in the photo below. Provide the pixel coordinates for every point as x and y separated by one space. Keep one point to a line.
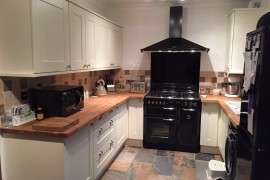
190 104
195 104
186 103
164 103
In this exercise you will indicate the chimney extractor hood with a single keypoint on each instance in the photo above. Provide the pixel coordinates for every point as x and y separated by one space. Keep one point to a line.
175 42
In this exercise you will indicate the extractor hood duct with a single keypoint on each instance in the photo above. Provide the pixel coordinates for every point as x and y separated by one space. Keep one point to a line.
175 42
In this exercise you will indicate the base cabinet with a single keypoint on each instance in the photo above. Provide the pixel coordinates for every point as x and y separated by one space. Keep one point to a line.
222 132
43 158
209 124
83 156
121 122
135 117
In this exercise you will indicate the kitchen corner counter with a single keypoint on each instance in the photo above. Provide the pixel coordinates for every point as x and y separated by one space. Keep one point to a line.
94 108
234 119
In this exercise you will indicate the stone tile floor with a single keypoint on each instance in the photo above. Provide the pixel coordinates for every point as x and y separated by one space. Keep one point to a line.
135 163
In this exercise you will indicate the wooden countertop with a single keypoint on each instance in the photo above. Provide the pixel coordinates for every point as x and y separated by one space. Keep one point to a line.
234 119
94 107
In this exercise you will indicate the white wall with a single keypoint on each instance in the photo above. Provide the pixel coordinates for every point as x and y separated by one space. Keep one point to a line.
143 25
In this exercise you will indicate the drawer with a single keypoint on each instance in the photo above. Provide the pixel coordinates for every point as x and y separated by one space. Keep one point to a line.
103 157
103 131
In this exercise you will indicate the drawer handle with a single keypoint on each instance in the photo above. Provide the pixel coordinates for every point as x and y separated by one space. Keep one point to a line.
100 153
111 143
100 130
111 122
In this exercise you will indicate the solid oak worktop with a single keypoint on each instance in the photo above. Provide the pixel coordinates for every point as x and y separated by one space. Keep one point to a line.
234 119
94 108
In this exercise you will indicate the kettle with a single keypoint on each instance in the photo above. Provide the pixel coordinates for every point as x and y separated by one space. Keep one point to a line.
100 89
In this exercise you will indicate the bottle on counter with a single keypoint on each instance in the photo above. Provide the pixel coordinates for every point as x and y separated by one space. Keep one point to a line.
39 114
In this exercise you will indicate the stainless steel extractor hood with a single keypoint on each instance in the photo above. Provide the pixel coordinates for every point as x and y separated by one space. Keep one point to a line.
175 42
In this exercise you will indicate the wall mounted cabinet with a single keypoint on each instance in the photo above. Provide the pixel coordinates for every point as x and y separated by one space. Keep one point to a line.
34 36
45 37
240 22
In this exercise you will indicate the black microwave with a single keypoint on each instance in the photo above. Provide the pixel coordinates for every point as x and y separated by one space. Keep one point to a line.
57 100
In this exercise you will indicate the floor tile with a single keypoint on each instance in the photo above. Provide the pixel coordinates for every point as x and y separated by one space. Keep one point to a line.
204 157
145 155
183 173
143 171
218 157
201 167
164 165
166 153
111 175
184 162
121 164
134 163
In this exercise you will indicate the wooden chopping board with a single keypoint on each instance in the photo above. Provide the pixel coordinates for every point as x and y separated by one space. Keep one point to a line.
58 124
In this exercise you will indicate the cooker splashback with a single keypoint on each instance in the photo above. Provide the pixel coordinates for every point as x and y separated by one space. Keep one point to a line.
175 68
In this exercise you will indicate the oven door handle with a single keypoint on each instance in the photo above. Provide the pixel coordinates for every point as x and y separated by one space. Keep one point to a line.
171 108
168 119
189 109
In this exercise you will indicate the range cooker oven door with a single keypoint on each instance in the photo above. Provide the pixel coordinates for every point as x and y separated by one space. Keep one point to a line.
160 129
160 124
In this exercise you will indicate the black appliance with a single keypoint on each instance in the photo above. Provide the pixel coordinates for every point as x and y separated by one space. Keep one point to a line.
175 42
172 108
57 100
253 142
231 151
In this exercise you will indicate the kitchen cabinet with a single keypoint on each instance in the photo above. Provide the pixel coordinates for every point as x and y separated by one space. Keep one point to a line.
115 46
34 36
45 37
209 124
82 36
104 142
108 44
240 22
102 43
46 158
121 122
135 119
222 132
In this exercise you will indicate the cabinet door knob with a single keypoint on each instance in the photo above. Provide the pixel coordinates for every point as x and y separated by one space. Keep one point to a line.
68 67
111 111
84 66
111 122
111 143
100 153
100 130
88 65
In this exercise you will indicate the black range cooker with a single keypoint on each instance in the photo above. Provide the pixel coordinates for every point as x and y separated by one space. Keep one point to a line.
172 108
172 118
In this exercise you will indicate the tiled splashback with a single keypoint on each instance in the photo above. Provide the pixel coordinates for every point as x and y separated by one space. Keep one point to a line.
13 90
208 79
